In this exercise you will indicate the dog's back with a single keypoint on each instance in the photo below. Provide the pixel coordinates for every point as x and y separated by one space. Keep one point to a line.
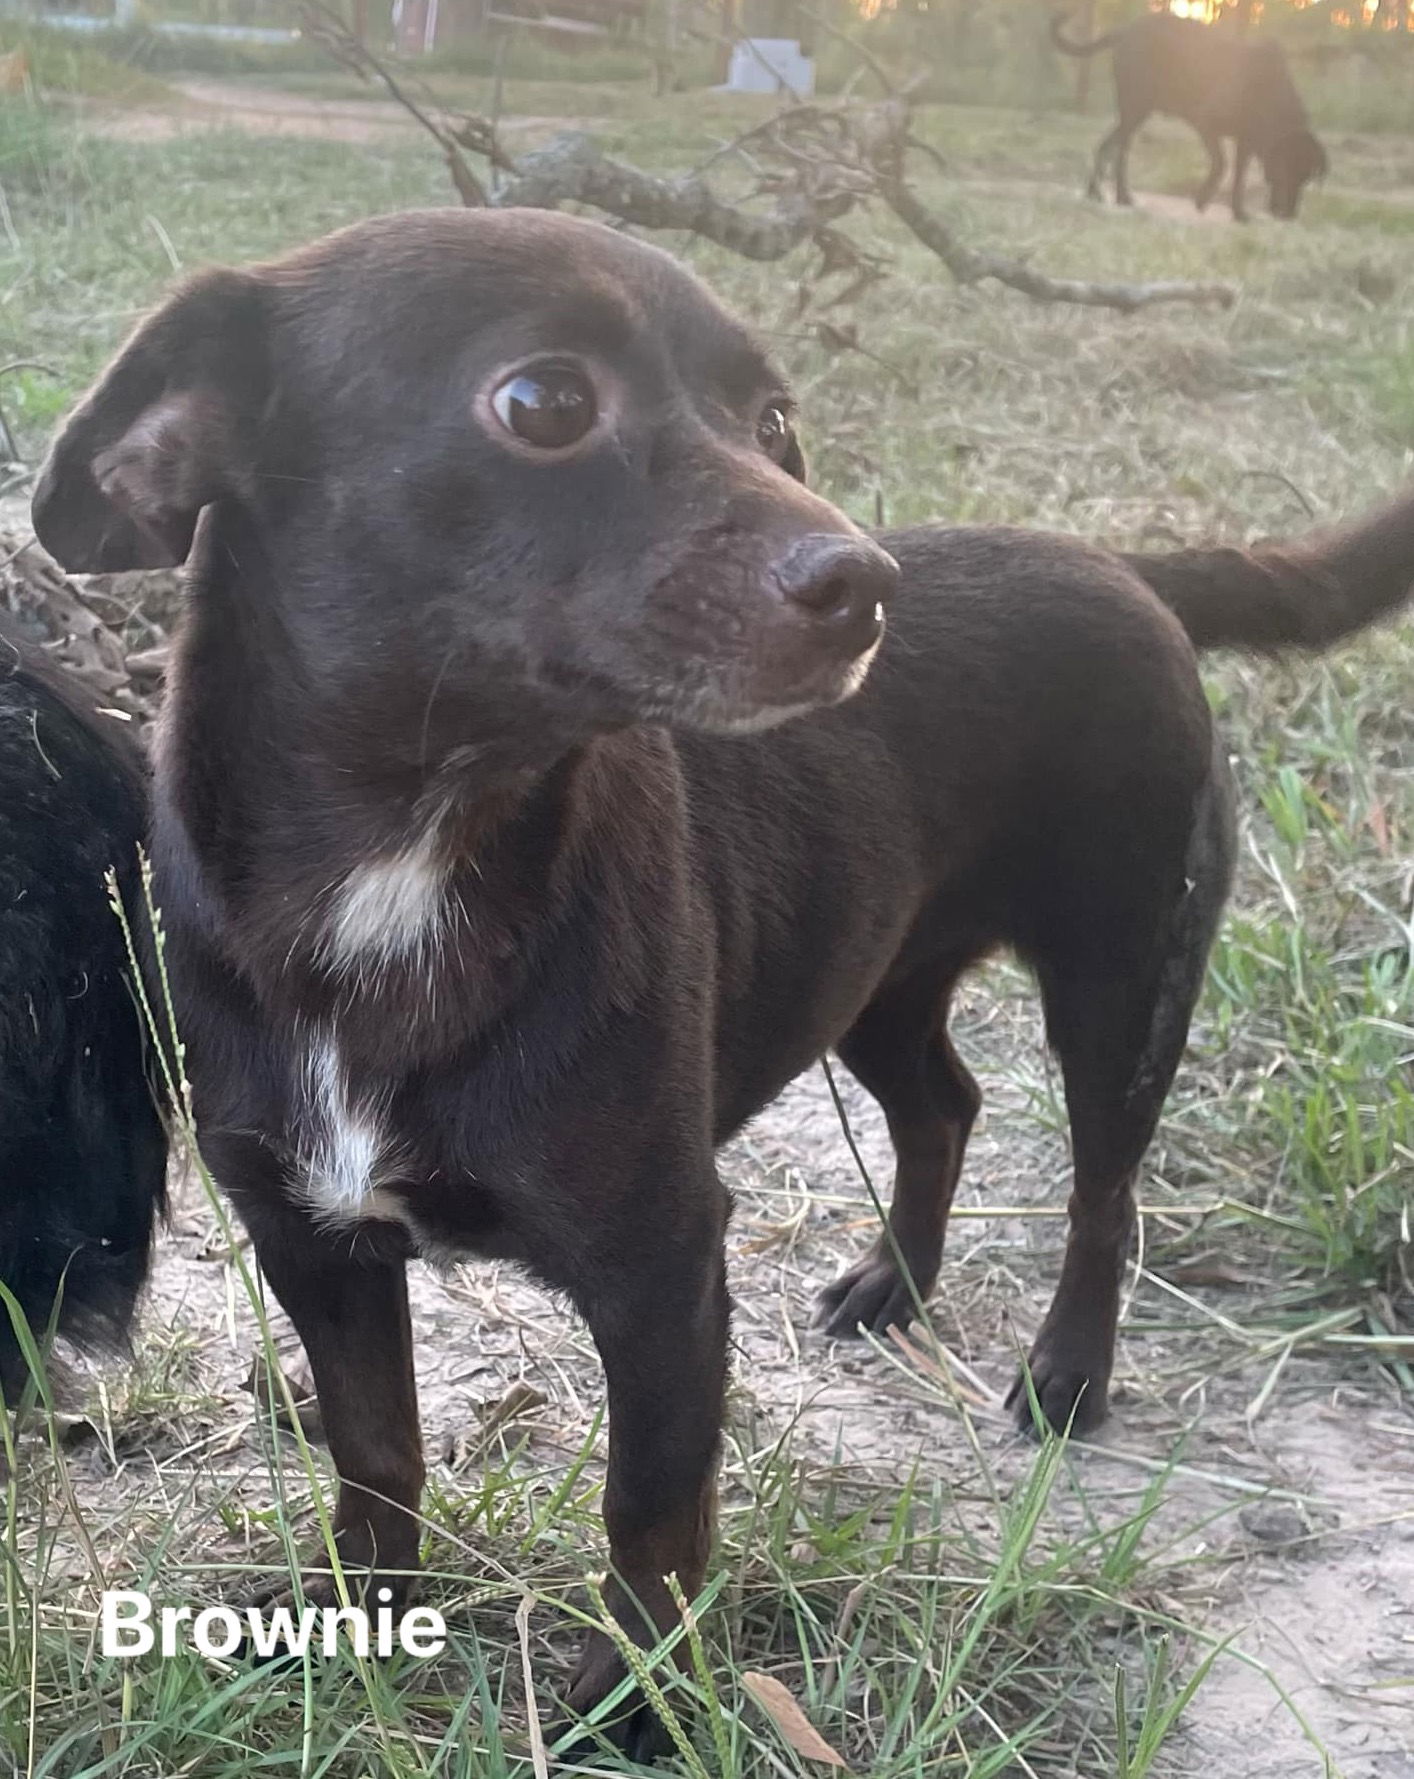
82 1150
1223 83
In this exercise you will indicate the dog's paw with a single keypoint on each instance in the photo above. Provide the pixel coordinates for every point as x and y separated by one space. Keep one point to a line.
280 1602
373 1592
872 1295
1073 1396
634 1728
370 1589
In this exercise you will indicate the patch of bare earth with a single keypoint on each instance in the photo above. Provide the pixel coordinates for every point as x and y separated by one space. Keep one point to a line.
210 104
267 111
1290 1528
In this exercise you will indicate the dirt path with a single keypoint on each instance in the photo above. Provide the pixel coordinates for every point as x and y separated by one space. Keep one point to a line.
268 111
264 111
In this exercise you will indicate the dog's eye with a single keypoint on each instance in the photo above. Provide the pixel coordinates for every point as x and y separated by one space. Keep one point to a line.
773 429
548 406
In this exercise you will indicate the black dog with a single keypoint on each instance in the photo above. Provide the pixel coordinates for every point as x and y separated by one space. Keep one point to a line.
82 1150
1223 84
489 916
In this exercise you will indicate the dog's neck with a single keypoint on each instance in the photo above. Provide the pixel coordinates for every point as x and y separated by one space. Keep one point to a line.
348 874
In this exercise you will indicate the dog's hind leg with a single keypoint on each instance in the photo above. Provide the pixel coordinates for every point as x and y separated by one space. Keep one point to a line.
1240 160
1217 166
1118 996
1127 129
899 1049
1096 188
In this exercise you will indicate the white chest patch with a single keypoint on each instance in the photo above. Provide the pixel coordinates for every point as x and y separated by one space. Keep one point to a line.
390 910
347 1156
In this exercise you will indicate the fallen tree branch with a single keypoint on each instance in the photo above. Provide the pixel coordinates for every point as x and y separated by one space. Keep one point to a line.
831 159
575 169
969 266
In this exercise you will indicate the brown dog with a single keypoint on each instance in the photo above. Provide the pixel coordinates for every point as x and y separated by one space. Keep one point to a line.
489 917
1223 84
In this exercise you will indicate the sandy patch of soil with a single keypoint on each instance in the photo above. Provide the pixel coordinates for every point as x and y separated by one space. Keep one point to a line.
267 111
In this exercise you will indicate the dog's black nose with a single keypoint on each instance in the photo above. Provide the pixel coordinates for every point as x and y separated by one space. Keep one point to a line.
842 582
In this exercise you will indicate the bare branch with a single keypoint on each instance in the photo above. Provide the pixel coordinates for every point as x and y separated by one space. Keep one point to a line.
323 24
861 53
969 266
575 169
817 163
884 137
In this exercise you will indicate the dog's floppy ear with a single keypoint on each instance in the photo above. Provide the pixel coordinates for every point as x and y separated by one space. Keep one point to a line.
167 429
793 458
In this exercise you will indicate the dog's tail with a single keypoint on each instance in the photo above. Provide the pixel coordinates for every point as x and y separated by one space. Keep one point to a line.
1306 596
1069 47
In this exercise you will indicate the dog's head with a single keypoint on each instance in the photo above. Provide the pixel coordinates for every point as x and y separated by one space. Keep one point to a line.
1290 164
505 455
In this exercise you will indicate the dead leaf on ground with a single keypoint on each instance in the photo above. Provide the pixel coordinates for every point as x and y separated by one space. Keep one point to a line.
271 1400
791 1721
217 1248
520 1400
1208 1269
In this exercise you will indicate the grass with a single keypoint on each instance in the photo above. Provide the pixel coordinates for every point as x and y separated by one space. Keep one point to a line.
914 1642
980 1610
62 65
910 1648
904 1635
1312 984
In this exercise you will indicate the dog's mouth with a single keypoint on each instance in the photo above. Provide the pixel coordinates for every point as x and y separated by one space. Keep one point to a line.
725 645
736 704
710 695
737 644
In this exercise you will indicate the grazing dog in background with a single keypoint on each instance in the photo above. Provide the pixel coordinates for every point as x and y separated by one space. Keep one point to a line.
500 885
82 1150
1226 86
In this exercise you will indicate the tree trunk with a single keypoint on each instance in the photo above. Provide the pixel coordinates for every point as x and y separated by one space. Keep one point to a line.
729 29
964 14
1085 70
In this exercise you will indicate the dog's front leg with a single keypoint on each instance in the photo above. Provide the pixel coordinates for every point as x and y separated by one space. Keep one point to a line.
658 1312
347 1298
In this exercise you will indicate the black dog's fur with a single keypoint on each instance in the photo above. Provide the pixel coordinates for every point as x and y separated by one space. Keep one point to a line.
82 1150
1224 84
421 661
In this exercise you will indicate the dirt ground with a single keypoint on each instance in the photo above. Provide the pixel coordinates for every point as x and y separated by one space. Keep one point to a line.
1298 1518
267 111
1298 1523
